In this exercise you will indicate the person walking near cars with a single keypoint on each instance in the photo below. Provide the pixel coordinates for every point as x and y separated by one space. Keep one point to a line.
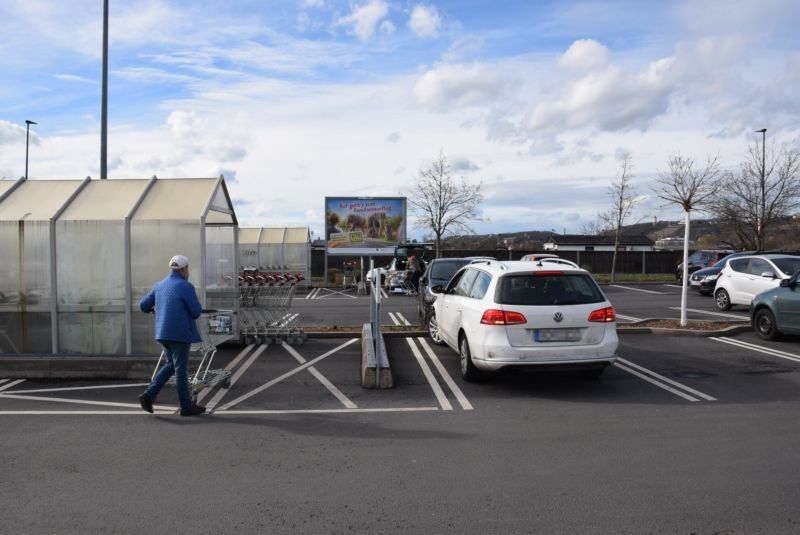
415 267
176 306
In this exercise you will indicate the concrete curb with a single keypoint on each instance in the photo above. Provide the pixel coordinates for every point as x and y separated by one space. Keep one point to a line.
348 332
369 362
680 332
74 367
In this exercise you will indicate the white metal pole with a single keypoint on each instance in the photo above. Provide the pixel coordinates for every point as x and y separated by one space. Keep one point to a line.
685 281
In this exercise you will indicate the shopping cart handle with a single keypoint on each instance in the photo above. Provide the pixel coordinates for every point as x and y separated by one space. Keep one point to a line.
208 310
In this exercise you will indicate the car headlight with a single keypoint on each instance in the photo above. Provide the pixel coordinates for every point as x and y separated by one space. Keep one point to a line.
710 278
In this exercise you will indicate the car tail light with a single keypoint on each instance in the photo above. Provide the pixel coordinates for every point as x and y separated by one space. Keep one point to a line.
603 315
548 272
502 317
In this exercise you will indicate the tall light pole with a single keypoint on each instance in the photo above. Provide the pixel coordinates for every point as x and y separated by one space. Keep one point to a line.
760 222
104 104
27 139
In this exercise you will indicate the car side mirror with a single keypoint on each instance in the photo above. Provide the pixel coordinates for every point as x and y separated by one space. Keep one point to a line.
437 289
768 274
786 283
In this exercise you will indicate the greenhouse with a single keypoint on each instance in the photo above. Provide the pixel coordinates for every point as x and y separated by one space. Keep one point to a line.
285 249
98 246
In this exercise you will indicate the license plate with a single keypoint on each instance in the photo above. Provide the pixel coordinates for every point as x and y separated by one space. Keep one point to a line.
556 335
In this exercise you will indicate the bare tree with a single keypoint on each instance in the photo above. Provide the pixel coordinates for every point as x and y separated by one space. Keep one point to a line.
765 190
692 188
593 227
624 200
442 203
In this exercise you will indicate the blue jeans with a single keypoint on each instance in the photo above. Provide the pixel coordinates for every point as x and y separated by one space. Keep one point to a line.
176 357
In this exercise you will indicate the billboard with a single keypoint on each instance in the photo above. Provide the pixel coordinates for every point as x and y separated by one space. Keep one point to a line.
368 226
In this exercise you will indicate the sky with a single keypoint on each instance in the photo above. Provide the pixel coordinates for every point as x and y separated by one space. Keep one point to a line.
293 101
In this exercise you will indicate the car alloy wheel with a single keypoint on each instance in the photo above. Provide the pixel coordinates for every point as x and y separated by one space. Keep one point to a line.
433 330
468 370
765 325
723 300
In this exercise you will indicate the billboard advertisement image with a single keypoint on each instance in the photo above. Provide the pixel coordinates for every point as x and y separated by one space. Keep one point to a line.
364 225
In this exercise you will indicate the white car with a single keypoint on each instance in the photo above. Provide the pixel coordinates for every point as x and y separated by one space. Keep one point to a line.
498 314
747 276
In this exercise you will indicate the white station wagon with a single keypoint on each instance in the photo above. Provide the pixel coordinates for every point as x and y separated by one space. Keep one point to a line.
498 314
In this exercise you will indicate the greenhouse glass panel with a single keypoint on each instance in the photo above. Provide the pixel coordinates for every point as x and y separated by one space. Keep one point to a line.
153 243
221 276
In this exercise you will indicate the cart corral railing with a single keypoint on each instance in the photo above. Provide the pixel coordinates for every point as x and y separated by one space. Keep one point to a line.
375 371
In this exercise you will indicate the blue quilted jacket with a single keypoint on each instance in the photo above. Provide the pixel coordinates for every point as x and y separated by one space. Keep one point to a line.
176 306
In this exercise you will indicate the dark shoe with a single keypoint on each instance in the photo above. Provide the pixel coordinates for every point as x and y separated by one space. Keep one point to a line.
193 410
146 402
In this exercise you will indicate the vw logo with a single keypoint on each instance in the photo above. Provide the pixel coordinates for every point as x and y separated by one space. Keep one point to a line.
558 316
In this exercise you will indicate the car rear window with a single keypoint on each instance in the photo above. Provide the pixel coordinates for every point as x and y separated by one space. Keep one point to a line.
445 270
557 289
789 266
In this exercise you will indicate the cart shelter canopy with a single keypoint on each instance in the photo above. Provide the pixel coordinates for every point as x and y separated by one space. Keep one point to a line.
97 247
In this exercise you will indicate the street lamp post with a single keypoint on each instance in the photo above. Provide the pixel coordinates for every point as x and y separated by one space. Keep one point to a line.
760 222
27 139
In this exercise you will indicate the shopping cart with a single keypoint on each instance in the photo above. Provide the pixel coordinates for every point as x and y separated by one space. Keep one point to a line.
215 326
265 299
348 275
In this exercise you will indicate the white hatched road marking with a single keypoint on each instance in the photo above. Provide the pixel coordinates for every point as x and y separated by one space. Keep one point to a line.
235 377
11 384
666 380
384 294
336 293
636 289
286 375
230 367
460 397
426 371
4 380
758 348
321 378
674 286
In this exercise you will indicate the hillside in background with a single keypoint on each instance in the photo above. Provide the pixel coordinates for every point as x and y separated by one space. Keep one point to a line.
704 233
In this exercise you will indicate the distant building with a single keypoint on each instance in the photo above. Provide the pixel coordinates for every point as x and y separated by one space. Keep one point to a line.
585 242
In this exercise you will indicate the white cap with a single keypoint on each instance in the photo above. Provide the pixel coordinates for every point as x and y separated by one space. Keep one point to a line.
178 262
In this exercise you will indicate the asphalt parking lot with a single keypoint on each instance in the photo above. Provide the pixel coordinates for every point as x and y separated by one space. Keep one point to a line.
681 435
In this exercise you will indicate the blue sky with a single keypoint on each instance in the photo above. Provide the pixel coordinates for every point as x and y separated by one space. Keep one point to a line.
295 101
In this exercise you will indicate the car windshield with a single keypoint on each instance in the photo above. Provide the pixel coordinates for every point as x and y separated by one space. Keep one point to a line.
445 270
556 289
789 266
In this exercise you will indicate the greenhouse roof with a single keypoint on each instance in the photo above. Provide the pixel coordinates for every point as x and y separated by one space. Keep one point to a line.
98 200
249 235
296 235
274 235
37 200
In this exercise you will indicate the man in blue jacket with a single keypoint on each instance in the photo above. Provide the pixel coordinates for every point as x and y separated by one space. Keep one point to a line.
176 306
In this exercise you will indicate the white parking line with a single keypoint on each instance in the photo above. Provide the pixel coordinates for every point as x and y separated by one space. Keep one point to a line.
230 367
286 375
666 380
9 395
426 371
67 389
235 377
636 289
628 318
321 378
312 293
721 314
226 413
653 381
460 397
674 286
4 380
384 294
334 292
11 384
758 348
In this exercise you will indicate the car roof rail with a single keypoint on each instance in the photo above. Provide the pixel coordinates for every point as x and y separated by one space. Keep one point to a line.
489 262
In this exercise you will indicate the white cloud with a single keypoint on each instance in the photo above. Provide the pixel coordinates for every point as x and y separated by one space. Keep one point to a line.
394 137
387 27
459 85
313 3
11 133
365 18
585 54
425 20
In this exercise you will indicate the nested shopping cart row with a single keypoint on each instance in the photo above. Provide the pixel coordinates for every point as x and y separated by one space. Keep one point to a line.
265 301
